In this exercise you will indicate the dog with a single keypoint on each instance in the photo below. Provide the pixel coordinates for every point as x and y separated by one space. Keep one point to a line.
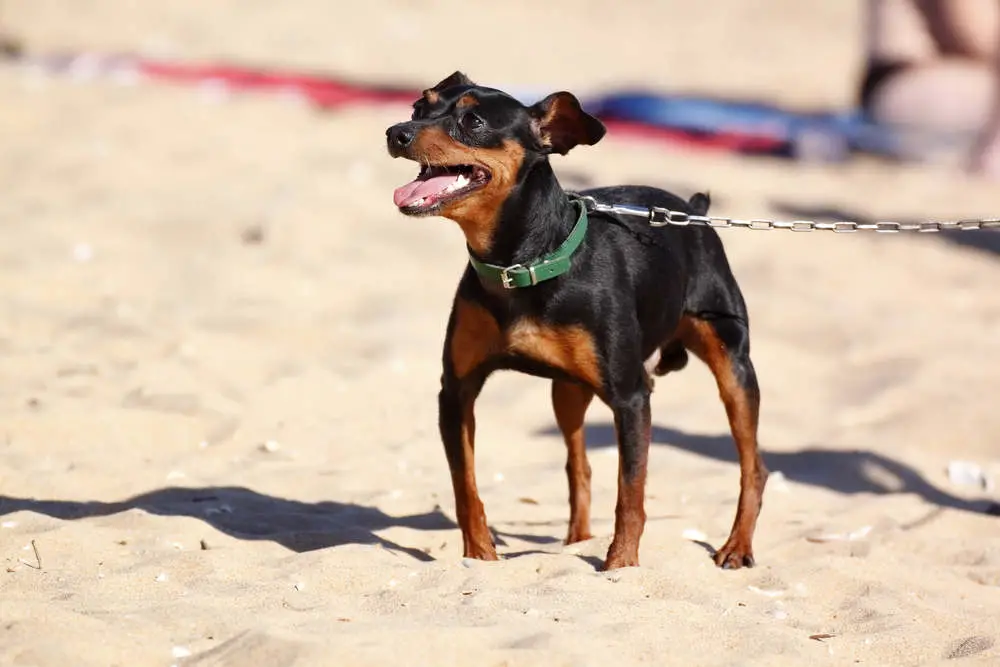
586 299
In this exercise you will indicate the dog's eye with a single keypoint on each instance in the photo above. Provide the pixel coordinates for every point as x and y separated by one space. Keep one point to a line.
471 122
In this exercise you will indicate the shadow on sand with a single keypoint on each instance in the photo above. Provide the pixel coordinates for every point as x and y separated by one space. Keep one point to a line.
248 515
843 471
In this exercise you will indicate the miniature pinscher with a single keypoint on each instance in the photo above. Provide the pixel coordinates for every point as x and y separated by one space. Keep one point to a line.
593 301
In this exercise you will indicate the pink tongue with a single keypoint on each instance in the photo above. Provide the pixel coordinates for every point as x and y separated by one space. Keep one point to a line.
418 189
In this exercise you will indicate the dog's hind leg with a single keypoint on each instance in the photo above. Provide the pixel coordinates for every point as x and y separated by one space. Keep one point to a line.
723 343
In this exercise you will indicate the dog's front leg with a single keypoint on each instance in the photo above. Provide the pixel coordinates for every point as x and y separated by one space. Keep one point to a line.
472 337
632 424
457 421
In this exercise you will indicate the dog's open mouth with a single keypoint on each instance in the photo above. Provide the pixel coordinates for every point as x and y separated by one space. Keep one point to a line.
435 186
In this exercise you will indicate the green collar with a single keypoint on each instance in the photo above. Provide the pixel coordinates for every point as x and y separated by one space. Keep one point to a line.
546 267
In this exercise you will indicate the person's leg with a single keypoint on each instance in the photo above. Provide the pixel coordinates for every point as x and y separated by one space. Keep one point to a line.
9 47
948 96
940 108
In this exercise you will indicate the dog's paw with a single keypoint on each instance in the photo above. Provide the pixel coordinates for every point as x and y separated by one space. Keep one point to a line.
480 552
577 535
733 556
620 558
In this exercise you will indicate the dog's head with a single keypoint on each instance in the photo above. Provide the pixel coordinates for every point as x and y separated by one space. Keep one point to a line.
472 143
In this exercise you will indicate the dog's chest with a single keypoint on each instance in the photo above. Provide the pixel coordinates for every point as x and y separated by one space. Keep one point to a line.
570 349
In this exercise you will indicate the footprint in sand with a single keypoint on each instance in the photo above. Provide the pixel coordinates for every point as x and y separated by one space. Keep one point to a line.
769 586
248 648
537 640
986 577
963 648
861 613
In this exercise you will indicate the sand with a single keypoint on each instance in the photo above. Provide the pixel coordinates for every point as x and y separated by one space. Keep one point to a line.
219 352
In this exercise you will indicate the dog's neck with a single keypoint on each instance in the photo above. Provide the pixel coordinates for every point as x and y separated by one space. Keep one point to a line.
534 220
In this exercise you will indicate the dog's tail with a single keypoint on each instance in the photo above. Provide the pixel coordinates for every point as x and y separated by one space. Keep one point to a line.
699 203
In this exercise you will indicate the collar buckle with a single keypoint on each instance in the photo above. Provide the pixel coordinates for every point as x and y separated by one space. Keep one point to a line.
508 281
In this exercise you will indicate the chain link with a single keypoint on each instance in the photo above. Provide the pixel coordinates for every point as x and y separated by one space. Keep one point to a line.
662 217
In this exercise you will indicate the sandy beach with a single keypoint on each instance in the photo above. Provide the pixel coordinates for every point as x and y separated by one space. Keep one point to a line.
220 355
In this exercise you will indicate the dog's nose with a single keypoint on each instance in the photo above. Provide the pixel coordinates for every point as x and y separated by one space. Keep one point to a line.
399 137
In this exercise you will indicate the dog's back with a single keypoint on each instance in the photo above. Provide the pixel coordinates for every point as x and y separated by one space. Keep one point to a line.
710 286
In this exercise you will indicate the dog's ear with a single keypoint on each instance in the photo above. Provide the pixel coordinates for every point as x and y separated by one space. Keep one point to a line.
560 123
455 79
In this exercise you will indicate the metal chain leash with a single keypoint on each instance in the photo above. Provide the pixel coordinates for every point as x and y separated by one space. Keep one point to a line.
661 217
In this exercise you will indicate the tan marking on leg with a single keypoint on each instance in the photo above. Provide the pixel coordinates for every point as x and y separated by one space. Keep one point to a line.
475 336
630 513
570 402
742 410
476 537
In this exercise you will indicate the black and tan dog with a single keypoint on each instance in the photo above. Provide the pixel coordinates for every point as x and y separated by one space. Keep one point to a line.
585 300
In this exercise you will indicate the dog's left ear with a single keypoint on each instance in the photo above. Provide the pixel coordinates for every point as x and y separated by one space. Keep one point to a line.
560 123
454 79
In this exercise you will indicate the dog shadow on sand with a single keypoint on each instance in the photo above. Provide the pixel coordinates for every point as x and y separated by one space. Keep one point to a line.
248 515
300 526
844 471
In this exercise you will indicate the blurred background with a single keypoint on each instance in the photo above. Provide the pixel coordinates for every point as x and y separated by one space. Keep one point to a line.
895 80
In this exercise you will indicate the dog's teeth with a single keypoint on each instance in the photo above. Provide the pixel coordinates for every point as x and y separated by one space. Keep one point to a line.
460 182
